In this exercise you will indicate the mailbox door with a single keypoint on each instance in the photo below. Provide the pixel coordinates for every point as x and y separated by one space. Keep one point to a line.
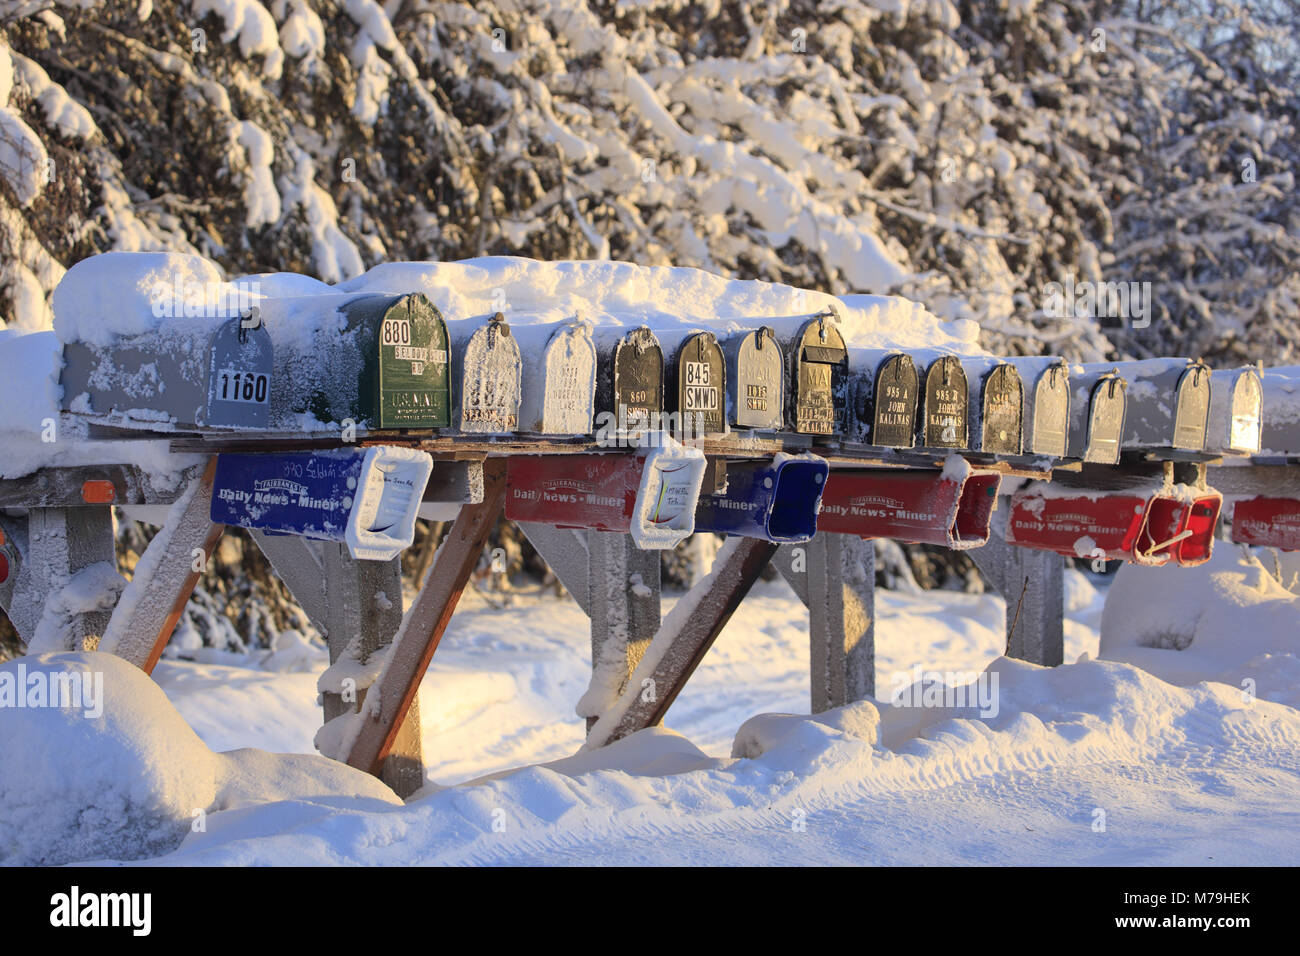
760 376
894 395
1193 408
638 380
1003 411
239 377
413 380
490 393
570 383
1051 428
1247 402
947 417
821 379
1106 410
701 386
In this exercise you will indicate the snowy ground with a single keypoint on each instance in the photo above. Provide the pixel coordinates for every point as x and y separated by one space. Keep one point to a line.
1095 762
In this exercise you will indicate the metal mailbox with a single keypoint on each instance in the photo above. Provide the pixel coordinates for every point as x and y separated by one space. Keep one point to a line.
1168 402
1097 411
885 396
945 408
368 499
952 507
755 374
559 391
487 377
819 380
378 361
775 500
995 403
1267 522
1235 419
1046 383
700 396
1280 432
629 379
195 373
651 495
1150 525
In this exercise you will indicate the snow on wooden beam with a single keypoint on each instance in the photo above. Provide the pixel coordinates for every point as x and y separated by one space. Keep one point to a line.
165 577
565 552
684 638
416 641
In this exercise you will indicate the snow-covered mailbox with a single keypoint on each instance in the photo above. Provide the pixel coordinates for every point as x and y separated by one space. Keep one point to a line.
629 380
1168 402
995 403
886 389
378 361
559 378
1143 522
699 376
190 373
1273 520
650 494
755 374
367 498
775 500
819 377
952 507
1097 409
1046 385
486 377
1236 406
945 405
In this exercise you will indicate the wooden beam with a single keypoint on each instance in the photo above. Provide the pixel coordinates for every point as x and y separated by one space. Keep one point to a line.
565 553
683 640
165 578
424 624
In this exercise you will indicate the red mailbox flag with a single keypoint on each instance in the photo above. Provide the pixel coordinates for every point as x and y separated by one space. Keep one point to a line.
952 507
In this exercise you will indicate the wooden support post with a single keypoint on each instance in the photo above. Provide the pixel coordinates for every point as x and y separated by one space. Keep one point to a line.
1034 582
348 600
835 577
165 577
56 543
424 624
682 641
565 552
623 604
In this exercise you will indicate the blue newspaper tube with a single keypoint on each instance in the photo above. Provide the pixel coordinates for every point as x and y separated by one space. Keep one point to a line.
368 498
774 500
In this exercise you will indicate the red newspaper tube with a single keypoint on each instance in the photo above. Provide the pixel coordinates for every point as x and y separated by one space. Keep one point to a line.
951 509
1268 522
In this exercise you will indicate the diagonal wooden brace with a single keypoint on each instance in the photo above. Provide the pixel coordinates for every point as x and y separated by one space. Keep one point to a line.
425 622
165 578
682 642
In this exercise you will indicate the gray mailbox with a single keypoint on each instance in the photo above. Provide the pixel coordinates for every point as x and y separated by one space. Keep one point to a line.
193 373
486 371
699 398
1236 405
559 388
629 379
1097 410
945 411
755 372
819 379
1046 382
1281 409
885 392
995 403
1168 404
